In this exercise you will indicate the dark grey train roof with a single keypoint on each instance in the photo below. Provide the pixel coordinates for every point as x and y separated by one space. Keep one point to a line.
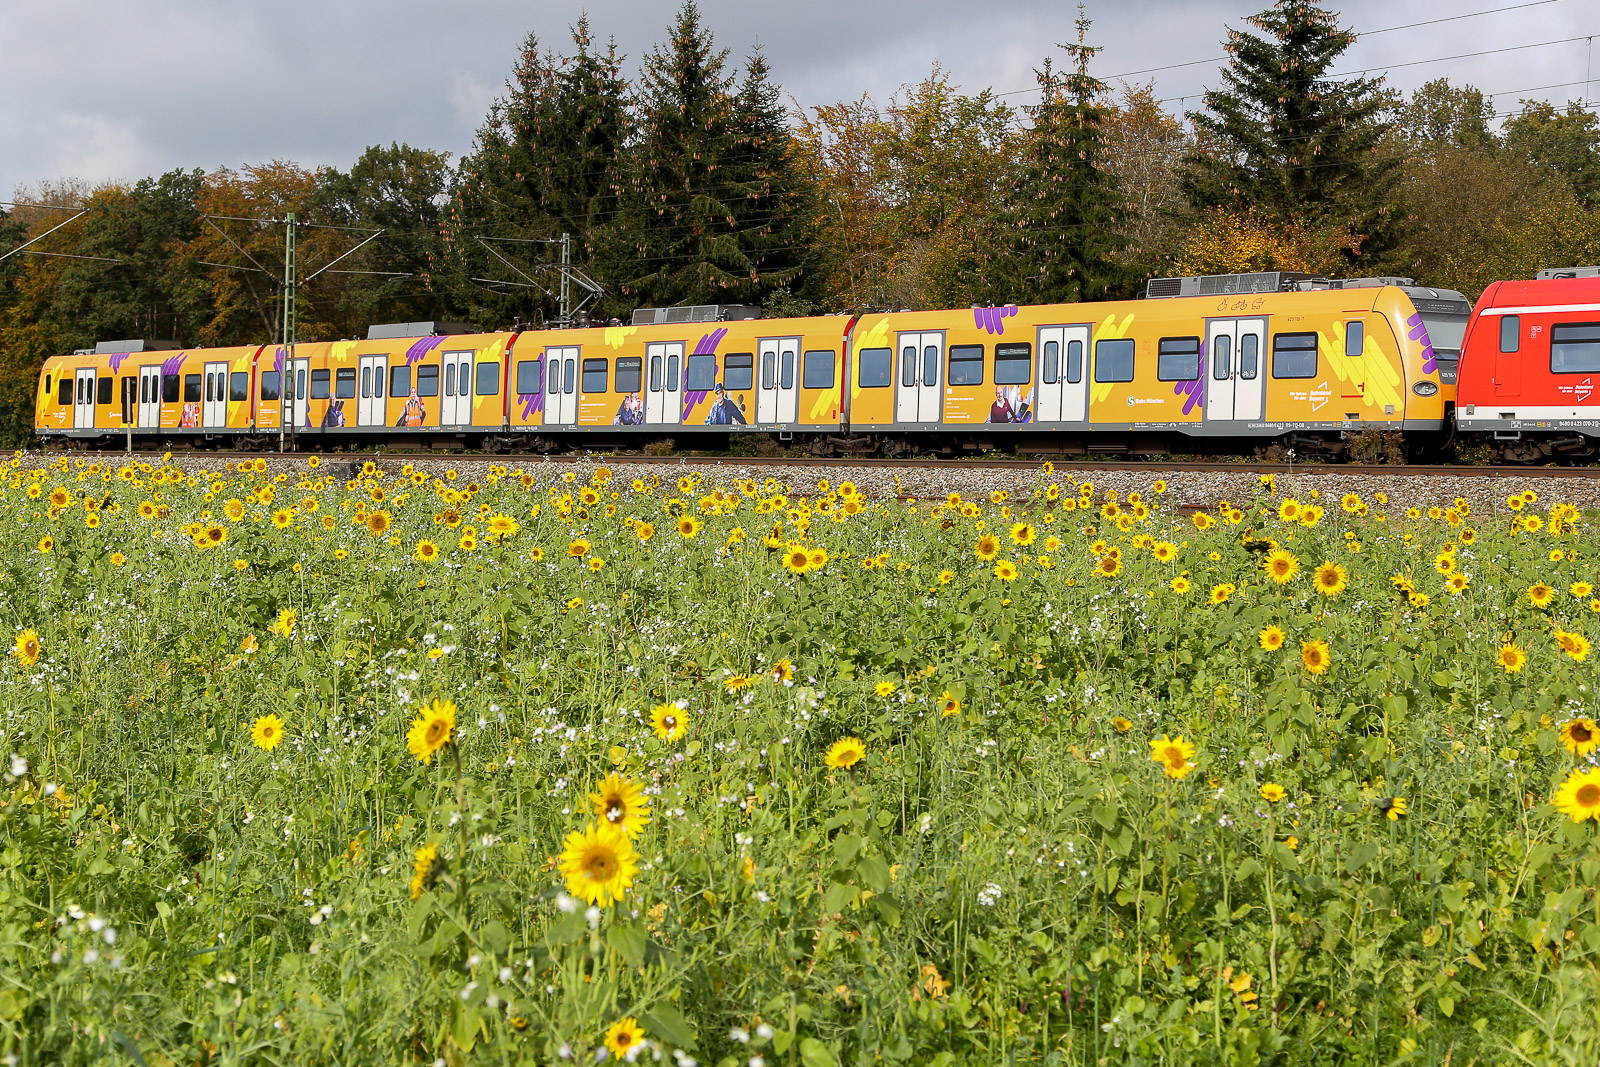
1426 299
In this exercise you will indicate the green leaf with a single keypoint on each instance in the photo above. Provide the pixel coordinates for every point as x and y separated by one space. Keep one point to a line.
814 1053
1452 897
874 873
1447 1006
1105 815
1361 854
496 938
628 940
837 896
666 1022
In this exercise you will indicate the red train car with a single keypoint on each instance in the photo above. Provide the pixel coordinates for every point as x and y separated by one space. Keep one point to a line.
1529 382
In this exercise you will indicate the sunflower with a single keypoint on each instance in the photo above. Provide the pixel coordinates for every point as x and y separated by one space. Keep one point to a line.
1272 792
234 509
1392 807
1108 566
1330 579
644 531
1511 656
1220 593
796 558
1120 725
378 523
1578 798
1581 590
1180 585
27 647
1580 736
623 1037
1174 755
60 497
426 551
1574 645
1350 502
1289 510
736 683
818 559
599 864
1456 582
503 525
1540 595
1315 656
434 725
1281 564
846 752
1023 534
468 542
1202 521
267 732
47 544
1164 551
283 625
1006 571
669 721
946 577
620 803
688 527
949 705
987 548
426 867
1271 638
283 518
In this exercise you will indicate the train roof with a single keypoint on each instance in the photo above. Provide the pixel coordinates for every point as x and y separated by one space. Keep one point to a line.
1558 290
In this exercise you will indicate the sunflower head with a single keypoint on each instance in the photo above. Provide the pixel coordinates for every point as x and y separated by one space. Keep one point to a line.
1271 638
1315 656
1578 798
432 729
669 721
599 864
1580 736
1330 579
620 803
267 732
845 753
1511 657
27 648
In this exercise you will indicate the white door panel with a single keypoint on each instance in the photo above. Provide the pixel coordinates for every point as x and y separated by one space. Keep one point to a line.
919 393
663 369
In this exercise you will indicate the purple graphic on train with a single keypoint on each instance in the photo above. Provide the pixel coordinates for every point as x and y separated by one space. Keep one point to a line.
1419 333
1195 391
993 319
706 346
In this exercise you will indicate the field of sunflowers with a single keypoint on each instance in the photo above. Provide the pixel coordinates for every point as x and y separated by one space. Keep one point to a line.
552 765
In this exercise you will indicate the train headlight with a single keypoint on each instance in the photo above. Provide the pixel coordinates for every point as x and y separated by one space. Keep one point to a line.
1425 388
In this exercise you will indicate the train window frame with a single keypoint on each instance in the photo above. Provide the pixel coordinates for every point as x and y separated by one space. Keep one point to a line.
701 370
630 375
966 365
64 391
1108 356
744 363
239 387
875 368
1171 349
1355 337
596 375
811 370
1513 335
271 386
530 370
786 369
1222 357
769 370
191 388
49 384
486 379
171 387
1050 363
428 384
102 388
1011 359
344 383
1591 343
1249 357
1288 370
1074 362
322 384
400 380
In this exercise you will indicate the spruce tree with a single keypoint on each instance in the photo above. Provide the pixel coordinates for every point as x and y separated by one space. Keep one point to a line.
1284 138
1061 223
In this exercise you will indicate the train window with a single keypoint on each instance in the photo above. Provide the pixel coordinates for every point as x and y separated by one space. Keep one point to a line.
377 383
740 373
239 385
399 381
930 365
595 373
65 392
191 388
1074 362
908 366
529 373
211 387
1222 358
319 384
875 367
553 382
817 370
366 383
1249 356
344 383
1355 337
269 385
966 365
702 373
103 389
1294 355
571 366
786 369
672 372
630 369
48 379
1510 332
1178 359
450 379
489 379
170 385
1013 364
769 370
1575 348
1050 369
428 380
1113 361
655 372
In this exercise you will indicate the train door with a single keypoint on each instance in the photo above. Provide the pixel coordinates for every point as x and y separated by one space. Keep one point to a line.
777 396
1508 361
917 395
371 409
1063 386
214 408
293 402
456 407
663 383
83 402
150 397
561 387
1234 385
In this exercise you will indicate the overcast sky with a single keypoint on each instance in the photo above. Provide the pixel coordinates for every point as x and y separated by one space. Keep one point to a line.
98 91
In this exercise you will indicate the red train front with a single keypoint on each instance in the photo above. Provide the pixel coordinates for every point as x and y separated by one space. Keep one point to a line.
1529 382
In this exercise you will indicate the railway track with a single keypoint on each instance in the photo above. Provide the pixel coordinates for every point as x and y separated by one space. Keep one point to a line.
1151 467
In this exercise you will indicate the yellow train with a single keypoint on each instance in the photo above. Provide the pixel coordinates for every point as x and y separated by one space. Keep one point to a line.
1201 365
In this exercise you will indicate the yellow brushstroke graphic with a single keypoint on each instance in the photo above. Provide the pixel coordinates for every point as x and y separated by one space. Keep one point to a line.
1108 330
342 350
616 335
1382 377
877 337
826 405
